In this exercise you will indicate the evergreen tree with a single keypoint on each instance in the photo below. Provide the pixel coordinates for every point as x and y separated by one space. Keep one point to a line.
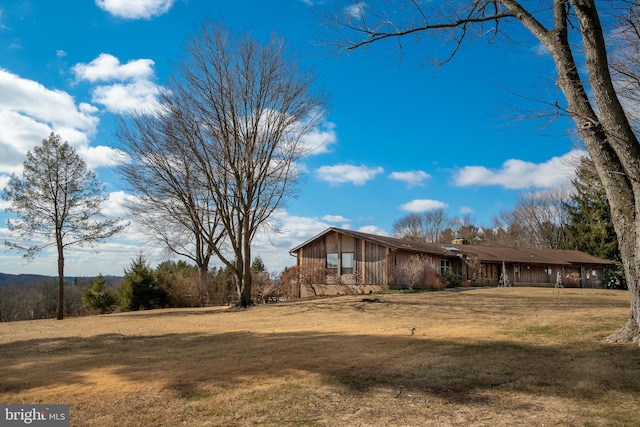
140 289
96 299
590 227
257 266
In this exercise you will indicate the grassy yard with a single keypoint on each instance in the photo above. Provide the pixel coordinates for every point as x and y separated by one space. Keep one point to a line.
495 357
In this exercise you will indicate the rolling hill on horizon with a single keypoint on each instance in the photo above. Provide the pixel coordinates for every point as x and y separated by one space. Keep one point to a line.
31 279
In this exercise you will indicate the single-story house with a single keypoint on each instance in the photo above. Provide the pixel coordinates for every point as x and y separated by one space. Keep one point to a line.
339 261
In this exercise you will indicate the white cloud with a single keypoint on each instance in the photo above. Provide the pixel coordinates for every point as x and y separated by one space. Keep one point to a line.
128 98
125 87
465 210
319 139
102 155
412 178
422 205
519 174
29 112
373 229
108 258
355 10
344 173
107 67
114 206
31 99
334 218
135 9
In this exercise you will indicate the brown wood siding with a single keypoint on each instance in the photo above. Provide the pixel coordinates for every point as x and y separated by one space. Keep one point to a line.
369 267
332 242
313 256
531 274
347 244
375 265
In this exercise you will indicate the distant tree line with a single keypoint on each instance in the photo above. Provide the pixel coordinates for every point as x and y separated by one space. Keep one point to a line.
38 299
170 284
575 218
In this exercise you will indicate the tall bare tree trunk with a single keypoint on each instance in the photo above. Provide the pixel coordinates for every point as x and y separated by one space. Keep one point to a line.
60 315
608 135
245 297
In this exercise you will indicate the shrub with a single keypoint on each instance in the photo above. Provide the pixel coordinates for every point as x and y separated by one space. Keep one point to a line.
140 289
96 299
451 279
614 277
179 281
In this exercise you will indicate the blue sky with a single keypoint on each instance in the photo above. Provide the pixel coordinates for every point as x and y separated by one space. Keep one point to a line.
401 135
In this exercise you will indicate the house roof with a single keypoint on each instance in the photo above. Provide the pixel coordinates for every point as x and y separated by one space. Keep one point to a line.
486 254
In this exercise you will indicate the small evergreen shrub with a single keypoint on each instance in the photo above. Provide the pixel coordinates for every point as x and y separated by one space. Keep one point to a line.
96 299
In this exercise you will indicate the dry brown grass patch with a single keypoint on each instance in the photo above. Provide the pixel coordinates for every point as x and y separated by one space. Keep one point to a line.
489 357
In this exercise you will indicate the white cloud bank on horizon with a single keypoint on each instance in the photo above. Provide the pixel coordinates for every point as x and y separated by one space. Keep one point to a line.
518 174
111 257
345 173
135 9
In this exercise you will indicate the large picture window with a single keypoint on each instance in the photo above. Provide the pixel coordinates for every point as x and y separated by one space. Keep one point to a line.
347 263
332 262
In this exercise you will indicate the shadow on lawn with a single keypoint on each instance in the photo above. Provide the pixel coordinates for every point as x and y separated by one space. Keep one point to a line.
358 363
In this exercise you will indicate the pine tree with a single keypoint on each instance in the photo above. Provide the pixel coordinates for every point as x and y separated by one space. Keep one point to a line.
96 299
140 289
590 227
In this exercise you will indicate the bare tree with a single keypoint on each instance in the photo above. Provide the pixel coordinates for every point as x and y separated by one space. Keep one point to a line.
541 216
426 226
171 202
625 51
465 229
235 113
572 31
57 200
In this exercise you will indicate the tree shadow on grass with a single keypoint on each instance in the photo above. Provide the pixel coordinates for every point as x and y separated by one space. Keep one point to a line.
456 371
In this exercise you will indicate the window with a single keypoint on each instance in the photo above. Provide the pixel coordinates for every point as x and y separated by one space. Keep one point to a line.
347 263
445 265
332 262
548 270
